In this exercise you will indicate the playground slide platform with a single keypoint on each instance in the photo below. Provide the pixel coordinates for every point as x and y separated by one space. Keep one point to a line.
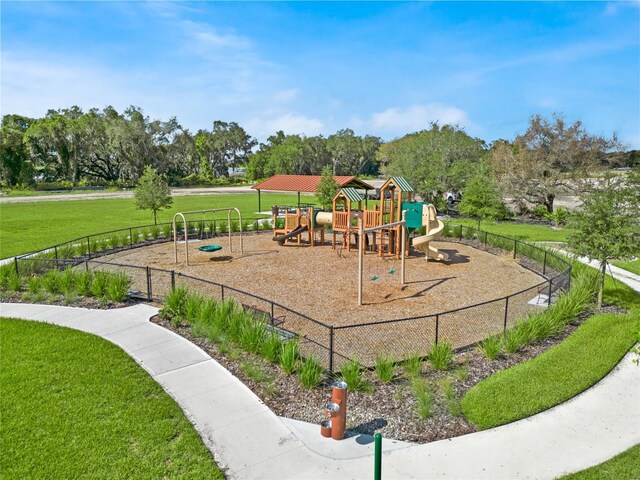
293 233
422 243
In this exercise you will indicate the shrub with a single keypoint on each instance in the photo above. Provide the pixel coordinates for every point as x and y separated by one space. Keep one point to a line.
96 245
311 373
412 366
353 374
271 347
424 397
114 240
5 271
235 226
513 340
154 232
51 281
222 226
236 321
100 284
135 236
118 287
385 368
461 373
167 231
441 355
66 251
490 347
254 372
290 356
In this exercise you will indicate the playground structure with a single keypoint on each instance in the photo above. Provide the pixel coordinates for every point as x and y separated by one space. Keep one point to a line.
385 222
210 248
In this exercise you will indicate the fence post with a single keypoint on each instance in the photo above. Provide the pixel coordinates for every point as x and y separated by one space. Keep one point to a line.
130 237
485 240
149 293
437 327
460 234
215 228
272 313
331 349
544 264
515 248
506 314
222 292
55 249
86 265
550 287
88 248
15 262
173 280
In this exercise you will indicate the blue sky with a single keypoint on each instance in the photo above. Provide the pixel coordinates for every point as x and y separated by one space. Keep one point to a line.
385 69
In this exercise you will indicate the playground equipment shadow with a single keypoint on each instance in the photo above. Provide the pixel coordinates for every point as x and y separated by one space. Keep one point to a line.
250 441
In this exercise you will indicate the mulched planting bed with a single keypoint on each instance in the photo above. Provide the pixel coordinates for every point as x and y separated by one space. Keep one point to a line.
390 408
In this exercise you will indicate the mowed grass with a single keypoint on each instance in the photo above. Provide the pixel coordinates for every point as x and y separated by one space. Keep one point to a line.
625 466
554 376
74 405
520 231
25 227
632 266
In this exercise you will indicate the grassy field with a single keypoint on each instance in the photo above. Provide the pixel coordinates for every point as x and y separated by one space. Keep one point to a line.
520 231
554 376
632 266
25 227
75 405
625 466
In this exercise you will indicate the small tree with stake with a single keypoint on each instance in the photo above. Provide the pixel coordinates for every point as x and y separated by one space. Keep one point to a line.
327 188
481 199
152 192
608 224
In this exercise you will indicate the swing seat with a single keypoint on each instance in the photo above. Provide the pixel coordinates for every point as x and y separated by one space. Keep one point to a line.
392 271
374 278
210 248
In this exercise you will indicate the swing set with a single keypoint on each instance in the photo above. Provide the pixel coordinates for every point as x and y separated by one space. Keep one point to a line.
402 226
204 248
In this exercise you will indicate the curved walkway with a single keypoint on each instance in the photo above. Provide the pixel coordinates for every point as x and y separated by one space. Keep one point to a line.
250 441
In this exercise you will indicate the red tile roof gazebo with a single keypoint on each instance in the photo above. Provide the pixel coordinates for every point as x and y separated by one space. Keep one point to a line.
304 183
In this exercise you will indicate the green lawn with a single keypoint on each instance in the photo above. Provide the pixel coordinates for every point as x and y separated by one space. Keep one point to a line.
625 466
25 227
74 405
554 376
632 266
520 231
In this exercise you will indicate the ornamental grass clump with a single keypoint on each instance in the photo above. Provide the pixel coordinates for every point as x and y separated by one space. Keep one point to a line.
51 281
14 281
353 374
453 404
271 347
100 284
252 334
118 287
82 249
424 397
167 231
490 347
193 306
440 355
34 285
174 305
385 369
290 356
311 373
66 251
412 366
67 281
84 280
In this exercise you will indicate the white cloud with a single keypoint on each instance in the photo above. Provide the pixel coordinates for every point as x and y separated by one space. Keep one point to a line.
206 37
613 8
286 96
418 117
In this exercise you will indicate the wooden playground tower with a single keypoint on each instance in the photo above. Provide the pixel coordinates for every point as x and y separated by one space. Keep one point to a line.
394 191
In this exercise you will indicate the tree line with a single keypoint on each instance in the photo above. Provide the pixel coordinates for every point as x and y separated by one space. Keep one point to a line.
105 146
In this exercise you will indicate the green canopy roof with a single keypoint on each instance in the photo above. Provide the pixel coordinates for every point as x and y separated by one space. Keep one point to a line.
352 194
402 183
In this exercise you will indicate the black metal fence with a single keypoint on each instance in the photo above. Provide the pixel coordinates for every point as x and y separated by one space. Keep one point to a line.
332 345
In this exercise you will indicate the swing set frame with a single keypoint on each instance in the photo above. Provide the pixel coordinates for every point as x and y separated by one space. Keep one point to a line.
186 232
402 225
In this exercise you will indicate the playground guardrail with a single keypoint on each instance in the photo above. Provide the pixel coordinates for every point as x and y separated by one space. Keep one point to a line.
331 345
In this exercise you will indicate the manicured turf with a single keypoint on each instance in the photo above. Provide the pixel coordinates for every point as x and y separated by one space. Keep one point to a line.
554 376
25 227
74 405
625 466
632 266
520 231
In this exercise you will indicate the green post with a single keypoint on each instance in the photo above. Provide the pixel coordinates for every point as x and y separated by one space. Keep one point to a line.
377 470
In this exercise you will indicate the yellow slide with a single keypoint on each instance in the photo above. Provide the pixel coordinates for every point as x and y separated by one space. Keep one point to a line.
433 232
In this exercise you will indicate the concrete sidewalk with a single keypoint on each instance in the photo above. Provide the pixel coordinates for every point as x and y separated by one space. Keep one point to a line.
250 441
